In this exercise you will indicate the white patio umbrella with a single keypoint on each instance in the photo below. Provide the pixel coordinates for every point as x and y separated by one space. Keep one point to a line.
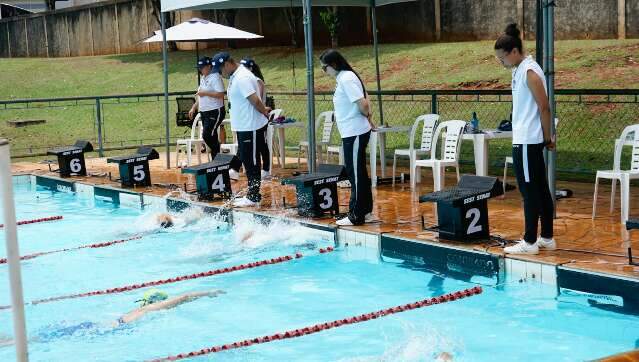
197 30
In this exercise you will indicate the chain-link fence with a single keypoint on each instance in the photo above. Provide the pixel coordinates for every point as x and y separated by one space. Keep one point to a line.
589 121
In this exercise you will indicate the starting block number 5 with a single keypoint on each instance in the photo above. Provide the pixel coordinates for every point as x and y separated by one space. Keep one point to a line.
475 214
138 173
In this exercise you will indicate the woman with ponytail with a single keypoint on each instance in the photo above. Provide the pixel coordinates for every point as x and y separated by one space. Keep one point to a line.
531 134
353 118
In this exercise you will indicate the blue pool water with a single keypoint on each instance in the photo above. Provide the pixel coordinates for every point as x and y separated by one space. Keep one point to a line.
514 321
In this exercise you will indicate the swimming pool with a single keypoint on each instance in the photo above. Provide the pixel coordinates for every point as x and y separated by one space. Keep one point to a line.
510 320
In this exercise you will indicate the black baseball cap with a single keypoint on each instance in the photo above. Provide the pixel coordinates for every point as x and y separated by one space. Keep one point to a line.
203 62
219 59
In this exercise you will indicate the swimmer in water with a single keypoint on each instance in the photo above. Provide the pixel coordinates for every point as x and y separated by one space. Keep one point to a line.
152 301
166 220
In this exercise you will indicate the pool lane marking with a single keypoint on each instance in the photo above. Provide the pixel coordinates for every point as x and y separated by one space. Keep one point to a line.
25 222
329 325
204 274
88 246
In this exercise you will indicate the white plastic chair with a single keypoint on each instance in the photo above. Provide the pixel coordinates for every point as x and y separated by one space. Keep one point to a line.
509 160
326 121
188 143
630 135
230 147
428 129
449 153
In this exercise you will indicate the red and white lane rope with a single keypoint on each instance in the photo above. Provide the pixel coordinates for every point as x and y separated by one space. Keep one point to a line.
204 274
89 246
329 325
34 221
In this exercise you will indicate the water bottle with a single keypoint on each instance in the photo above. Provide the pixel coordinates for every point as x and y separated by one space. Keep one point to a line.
474 121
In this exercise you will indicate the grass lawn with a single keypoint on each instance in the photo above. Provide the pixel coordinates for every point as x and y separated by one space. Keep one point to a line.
468 65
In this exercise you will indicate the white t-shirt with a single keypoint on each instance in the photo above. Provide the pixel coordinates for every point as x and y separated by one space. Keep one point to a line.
244 117
526 116
211 83
350 121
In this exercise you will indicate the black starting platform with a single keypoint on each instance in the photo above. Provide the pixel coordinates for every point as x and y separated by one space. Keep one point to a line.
317 192
212 179
631 224
71 158
462 211
134 169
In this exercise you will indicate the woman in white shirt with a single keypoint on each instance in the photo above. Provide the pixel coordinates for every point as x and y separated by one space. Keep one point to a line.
531 134
352 115
210 102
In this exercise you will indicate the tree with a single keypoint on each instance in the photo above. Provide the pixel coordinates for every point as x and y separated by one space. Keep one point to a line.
228 16
291 19
331 20
169 17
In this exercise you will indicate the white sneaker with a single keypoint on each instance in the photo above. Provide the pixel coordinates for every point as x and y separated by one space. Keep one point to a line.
243 202
234 175
369 217
344 222
266 175
522 247
344 184
548 244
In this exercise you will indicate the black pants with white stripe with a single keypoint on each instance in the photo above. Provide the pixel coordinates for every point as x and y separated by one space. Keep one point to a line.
211 121
265 153
249 144
361 202
530 170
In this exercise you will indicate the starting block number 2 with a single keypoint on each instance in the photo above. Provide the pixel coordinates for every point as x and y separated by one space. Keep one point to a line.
474 216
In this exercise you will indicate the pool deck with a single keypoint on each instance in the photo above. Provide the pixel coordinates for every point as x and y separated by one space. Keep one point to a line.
584 244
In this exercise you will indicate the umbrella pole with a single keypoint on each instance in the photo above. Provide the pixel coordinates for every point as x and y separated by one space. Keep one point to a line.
165 70
549 42
197 57
376 50
310 83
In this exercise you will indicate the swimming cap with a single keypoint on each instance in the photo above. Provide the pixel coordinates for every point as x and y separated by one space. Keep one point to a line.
152 296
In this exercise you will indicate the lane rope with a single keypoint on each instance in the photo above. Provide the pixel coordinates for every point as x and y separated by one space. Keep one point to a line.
34 221
328 325
204 274
89 246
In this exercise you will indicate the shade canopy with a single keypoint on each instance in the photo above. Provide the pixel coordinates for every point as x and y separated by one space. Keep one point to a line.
171 5
201 30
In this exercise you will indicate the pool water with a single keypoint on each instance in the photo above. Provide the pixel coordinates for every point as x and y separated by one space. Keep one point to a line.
512 321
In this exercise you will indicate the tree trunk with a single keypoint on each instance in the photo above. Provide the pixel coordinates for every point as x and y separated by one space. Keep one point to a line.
291 19
229 19
170 21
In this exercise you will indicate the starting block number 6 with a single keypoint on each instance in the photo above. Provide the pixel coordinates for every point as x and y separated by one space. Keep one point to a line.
75 165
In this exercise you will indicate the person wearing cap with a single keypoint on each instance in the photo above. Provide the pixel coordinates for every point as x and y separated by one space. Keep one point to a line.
249 116
265 152
210 102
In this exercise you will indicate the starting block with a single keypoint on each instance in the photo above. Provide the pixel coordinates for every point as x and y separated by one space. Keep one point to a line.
71 158
317 192
134 169
462 211
212 178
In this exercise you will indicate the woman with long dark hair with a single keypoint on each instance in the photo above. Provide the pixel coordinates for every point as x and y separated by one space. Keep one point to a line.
264 151
353 118
531 134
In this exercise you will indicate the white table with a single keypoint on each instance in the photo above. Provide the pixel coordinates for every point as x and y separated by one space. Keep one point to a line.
378 136
480 147
281 138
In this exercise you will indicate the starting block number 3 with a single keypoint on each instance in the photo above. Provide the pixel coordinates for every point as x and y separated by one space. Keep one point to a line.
327 199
